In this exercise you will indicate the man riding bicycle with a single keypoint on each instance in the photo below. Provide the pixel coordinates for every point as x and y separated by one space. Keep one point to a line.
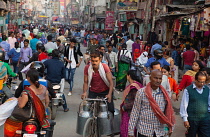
98 80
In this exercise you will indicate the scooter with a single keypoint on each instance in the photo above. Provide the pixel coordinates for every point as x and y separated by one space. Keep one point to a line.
32 128
56 102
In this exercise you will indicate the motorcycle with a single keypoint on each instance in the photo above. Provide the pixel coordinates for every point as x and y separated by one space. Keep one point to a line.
56 102
6 93
32 128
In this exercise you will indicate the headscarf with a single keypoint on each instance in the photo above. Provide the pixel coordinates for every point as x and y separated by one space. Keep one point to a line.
136 54
143 58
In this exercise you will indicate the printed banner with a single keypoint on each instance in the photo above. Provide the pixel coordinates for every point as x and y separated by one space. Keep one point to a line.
109 22
56 9
127 5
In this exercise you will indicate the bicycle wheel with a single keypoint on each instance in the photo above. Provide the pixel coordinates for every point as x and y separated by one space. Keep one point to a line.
88 130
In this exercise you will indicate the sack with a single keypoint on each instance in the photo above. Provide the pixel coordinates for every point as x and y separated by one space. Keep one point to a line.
125 59
6 109
23 114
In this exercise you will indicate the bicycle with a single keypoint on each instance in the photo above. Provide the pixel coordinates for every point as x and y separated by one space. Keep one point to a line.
91 127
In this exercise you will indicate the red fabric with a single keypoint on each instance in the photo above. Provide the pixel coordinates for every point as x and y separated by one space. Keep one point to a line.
173 85
186 81
136 54
97 84
39 109
168 116
42 56
188 57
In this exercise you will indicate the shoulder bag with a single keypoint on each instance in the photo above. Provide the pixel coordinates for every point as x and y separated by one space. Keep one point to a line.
125 59
23 114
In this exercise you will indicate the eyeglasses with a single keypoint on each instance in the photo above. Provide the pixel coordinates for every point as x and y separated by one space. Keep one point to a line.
201 82
102 49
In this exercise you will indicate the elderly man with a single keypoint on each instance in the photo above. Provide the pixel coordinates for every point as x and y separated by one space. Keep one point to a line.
152 110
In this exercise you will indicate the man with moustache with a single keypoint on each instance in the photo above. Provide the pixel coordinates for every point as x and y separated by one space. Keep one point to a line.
98 80
152 110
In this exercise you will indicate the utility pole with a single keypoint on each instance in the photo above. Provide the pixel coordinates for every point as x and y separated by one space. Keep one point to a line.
146 21
154 17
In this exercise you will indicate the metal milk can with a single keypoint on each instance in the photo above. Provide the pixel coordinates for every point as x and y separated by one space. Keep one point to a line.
82 116
105 119
117 121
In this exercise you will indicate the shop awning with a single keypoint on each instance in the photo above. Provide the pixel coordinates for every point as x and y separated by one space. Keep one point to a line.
43 16
177 13
183 6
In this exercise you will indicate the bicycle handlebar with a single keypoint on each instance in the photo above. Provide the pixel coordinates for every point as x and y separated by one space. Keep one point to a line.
96 99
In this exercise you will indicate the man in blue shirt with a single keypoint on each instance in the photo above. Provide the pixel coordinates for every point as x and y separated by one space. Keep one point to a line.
158 56
155 47
6 47
33 43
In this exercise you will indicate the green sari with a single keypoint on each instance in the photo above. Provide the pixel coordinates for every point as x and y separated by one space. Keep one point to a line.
121 75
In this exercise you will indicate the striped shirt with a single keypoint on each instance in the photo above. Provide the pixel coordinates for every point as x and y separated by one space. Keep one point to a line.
143 118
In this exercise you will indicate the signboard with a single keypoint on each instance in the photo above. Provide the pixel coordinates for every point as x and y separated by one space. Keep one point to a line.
207 2
56 9
127 5
109 22
12 8
62 7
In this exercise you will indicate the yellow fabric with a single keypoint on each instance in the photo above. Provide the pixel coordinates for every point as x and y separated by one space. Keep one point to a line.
190 73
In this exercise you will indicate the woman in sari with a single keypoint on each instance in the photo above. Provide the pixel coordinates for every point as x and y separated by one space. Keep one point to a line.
189 76
122 69
39 98
129 95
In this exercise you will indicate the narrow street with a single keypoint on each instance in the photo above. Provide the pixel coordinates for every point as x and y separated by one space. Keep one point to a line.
66 121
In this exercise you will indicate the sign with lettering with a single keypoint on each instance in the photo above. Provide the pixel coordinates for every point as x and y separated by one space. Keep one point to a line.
127 5
109 22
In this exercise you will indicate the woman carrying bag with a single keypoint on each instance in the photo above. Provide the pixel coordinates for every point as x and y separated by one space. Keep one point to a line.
38 96
124 59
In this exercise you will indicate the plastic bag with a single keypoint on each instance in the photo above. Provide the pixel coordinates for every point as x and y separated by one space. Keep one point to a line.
6 109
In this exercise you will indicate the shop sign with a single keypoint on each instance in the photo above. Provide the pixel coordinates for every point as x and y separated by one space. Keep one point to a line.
127 5
207 2
56 10
109 21
2 21
12 8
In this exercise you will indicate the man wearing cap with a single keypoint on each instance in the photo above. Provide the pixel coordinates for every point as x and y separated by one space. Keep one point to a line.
71 61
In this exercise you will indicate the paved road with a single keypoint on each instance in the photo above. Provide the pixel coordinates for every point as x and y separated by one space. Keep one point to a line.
67 121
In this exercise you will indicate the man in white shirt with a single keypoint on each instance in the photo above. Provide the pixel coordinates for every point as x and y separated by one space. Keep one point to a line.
113 58
129 44
195 107
50 44
165 83
35 31
12 40
71 62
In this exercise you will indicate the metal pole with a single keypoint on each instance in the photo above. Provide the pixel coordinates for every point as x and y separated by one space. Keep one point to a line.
154 16
146 21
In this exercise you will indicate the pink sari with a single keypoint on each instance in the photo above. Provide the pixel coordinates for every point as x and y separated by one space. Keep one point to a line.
124 114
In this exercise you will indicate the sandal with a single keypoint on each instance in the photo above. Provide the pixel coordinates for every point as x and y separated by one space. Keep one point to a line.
66 110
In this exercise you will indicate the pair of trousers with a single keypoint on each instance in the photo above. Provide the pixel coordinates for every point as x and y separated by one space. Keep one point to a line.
70 77
187 67
15 68
201 128
21 66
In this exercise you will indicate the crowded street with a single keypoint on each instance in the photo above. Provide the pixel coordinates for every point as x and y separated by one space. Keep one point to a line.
104 68
66 122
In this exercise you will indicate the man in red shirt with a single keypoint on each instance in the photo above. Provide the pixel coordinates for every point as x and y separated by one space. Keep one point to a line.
188 58
98 80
